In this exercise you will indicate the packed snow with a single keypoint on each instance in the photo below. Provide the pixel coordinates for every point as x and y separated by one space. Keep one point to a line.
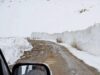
21 17
89 59
13 48
84 44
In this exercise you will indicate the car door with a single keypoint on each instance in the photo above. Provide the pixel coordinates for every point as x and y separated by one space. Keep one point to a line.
4 69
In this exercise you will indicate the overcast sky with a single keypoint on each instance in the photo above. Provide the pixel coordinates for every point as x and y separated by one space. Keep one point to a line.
22 17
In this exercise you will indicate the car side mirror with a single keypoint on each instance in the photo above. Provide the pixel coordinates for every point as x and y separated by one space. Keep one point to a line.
30 69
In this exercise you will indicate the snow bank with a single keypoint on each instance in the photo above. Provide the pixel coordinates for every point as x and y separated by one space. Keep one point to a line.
45 36
84 44
13 48
86 40
89 40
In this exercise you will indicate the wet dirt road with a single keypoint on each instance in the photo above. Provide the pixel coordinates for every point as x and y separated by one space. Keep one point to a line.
59 59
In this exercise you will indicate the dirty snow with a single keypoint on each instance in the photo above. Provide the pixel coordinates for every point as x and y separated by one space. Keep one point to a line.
84 44
13 48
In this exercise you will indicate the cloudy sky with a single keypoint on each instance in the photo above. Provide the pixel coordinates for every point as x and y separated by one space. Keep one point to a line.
22 17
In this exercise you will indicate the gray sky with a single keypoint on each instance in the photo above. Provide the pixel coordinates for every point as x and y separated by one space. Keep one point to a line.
22 17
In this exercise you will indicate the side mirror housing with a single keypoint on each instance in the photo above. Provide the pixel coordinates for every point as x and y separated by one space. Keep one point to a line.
30 69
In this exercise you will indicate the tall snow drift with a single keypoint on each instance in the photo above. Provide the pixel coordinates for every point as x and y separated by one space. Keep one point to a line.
84 44
86 40
89 39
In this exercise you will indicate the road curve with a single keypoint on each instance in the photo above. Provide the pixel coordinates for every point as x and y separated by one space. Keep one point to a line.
60 60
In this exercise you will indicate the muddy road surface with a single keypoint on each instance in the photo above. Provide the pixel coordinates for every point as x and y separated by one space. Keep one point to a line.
59 59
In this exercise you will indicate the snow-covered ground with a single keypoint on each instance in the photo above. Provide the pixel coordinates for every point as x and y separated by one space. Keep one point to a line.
21 17
86 57
13 48
84 44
